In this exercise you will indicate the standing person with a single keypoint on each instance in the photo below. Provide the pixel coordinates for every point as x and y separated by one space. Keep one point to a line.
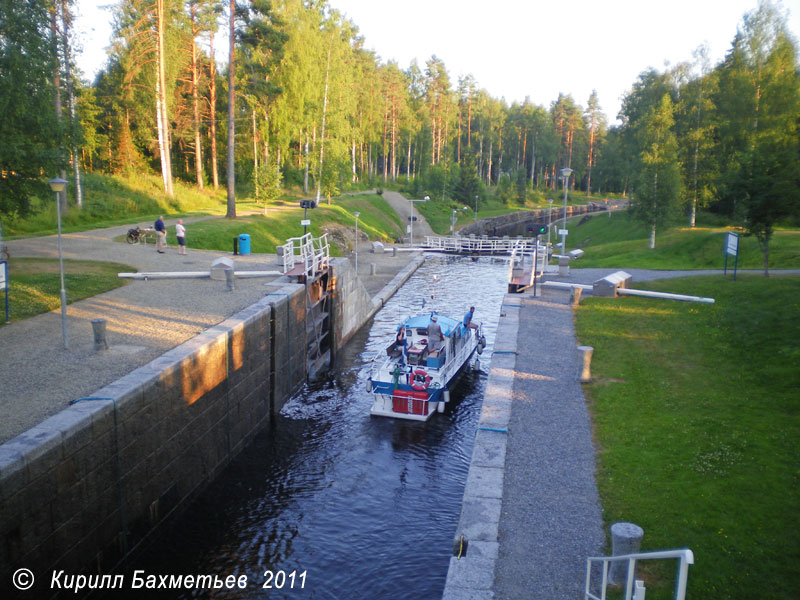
180 232
435 336
468 318
161 234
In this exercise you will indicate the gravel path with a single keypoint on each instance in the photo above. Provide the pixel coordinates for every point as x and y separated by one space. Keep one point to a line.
551 518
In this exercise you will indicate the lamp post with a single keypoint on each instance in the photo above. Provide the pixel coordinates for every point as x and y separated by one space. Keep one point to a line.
565 173
549 218
476 208
58 185
453 220
355 244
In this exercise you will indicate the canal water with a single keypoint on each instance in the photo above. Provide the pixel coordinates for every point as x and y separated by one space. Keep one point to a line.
337 504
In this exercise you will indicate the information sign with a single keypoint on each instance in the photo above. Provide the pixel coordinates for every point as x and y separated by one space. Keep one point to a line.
732 244
305 222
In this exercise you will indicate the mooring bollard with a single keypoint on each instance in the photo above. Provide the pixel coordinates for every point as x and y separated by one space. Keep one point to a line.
586 363
626 538
394 251
372 269
229 279
99 329
575 297
563 266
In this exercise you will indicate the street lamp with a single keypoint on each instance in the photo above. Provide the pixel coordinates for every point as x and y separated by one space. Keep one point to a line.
453 219
565 173
355 245
549 218
476 207
58 185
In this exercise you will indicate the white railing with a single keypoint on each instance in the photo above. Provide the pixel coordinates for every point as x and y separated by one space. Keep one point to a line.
477 245
520 254
312 253
684 556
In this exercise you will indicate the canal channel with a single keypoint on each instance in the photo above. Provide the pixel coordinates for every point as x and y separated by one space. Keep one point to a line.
337 504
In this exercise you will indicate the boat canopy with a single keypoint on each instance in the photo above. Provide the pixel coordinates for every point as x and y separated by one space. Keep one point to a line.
447 324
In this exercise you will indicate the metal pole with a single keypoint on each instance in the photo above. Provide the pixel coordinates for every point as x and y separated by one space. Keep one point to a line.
305 218
549 218
61 272
355 245
564 230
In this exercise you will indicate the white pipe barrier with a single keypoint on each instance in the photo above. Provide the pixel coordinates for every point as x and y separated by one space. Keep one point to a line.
664 295
566 286
195 274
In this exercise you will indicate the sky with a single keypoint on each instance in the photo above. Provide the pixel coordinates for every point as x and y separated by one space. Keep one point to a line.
521 48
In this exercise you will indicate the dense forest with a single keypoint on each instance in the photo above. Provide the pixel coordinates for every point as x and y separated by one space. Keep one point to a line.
299 101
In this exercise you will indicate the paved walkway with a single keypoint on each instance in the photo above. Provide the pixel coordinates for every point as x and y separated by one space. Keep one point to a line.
144 318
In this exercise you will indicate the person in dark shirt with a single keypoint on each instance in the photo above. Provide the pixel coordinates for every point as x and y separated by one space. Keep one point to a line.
161 234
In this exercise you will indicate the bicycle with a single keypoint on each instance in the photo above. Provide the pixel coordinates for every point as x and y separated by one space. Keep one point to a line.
138 235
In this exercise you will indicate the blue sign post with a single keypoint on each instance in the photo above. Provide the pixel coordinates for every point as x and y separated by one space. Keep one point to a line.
4 282
731 249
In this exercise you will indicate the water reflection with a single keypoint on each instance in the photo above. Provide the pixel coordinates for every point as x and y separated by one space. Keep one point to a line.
366 506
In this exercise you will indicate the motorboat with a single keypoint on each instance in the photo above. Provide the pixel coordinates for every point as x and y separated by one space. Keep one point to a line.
413 377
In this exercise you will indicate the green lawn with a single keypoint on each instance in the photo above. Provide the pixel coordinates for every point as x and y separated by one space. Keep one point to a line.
618 242
35 286
376 219
697 420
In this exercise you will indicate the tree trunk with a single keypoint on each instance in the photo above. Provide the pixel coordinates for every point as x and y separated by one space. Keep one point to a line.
198 152
322 131
62 196
255 154
166 162
212 100
305 166
231 174
66 19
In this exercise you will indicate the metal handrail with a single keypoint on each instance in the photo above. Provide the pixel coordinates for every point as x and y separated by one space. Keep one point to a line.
685 556
478 245
312 253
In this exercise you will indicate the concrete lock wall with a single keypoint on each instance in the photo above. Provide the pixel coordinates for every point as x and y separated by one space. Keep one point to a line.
85 486
352 305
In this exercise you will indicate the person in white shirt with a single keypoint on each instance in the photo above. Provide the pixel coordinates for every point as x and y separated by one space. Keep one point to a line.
180 232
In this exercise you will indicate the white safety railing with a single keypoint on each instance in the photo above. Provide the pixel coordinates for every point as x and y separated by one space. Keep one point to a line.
312 253
477 245
685 558
521 258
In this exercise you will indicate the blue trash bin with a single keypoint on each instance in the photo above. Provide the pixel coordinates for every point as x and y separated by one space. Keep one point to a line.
244 243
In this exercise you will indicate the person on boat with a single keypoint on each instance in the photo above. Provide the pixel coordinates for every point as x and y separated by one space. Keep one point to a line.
468 318
401 344
435 336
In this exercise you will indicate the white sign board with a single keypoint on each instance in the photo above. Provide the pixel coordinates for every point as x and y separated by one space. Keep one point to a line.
563 232
3 275
305 222
732 244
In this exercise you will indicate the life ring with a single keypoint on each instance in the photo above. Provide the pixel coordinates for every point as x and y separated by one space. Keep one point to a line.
420 380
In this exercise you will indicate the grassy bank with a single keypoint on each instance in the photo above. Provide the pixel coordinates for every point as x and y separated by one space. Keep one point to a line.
697 419
35 285
376 219
619 242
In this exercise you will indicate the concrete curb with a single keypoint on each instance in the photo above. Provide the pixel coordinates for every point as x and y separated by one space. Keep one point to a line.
471 577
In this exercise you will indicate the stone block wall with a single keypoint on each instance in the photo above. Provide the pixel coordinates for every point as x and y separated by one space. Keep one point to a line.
85 486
